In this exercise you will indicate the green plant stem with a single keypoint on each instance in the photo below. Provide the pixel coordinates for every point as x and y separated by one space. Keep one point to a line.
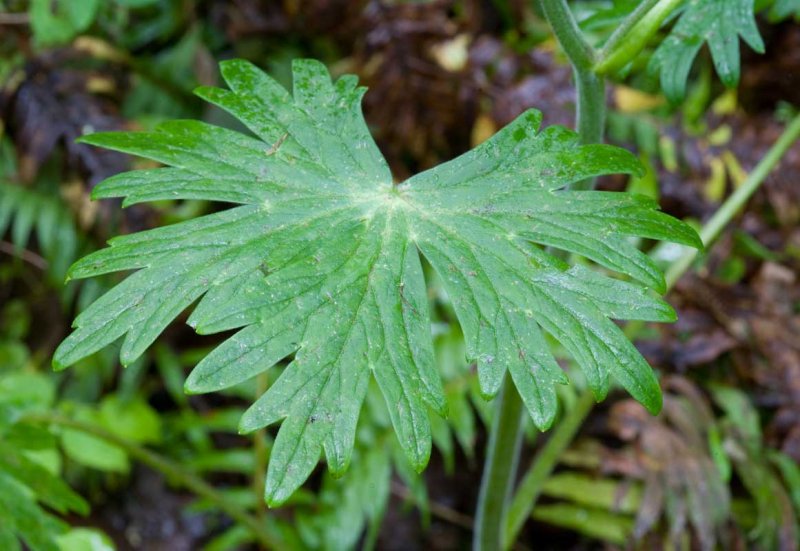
621 49
633 34
591 115
590 87
505 437
500 468
624 28
531 486
580 53
173 471
545 461
712 229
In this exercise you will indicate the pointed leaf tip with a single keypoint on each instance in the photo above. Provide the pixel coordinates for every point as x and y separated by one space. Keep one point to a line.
654 404
58 366
189 387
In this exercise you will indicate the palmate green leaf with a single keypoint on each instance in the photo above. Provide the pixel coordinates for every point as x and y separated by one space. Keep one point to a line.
320 262
720 23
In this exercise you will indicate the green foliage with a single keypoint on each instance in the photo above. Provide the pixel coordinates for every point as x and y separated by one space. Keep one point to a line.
28 212
774 522
131 419
162 86
719 23
346 505
593 492
783 9
620 51
26 484
85 539
58 22
137 67
605 15
321 260
594 523
670 479
599 508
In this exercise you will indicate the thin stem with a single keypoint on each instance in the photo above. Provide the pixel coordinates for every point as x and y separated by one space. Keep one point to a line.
172 471
500 469
590 87
438 510
580 53
627 24
543 464
30 257
633 34
591 115
541 467
712 229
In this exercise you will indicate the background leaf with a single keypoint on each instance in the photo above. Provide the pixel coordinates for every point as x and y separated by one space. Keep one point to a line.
719 23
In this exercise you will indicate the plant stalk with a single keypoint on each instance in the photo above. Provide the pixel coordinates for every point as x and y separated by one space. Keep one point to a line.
581 55
543 464
531 486
590 87
590 119
624 28
712 229
500 469
173 471
633 34
505 438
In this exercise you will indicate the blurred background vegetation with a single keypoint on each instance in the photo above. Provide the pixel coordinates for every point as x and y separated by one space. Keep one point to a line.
99 457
